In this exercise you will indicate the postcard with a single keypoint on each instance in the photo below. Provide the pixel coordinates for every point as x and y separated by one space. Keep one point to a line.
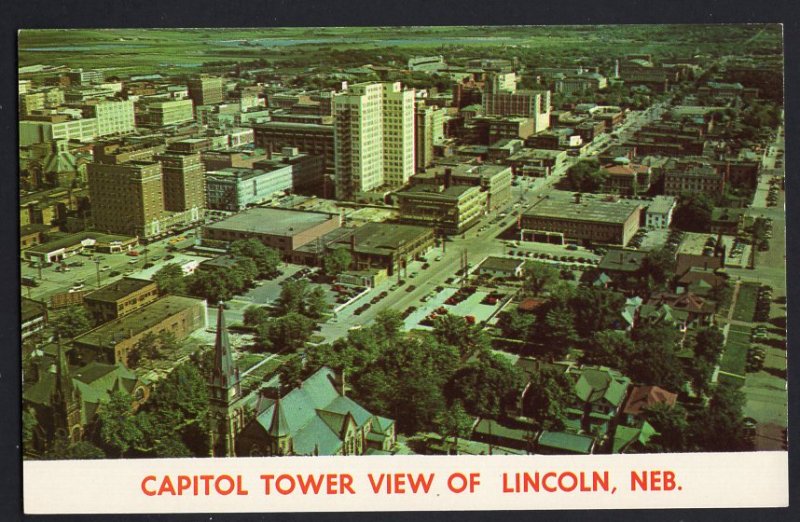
402 268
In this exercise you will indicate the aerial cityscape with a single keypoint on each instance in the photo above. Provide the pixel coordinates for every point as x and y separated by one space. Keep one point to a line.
402 240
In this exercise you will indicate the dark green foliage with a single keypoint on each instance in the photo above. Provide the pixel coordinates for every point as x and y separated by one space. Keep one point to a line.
548 394
266 259
487 386
693 213
71 322
336 262
170 280
586 176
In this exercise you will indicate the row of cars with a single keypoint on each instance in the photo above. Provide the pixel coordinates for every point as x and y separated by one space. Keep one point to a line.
763 303
365 306
757 354
638 238
772 195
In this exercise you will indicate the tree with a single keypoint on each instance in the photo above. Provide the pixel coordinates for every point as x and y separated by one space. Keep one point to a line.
558 331
595 309
537 277
120 429
292 297
517 325
211 285
267 259
62 449
454 422
672 426
71 322
655 361
336 262
609 348
291 374
656 270
453 330
719 426
547 395
316 303
246 270
170 280
487 387
405 382
290 332
693 212
254 316
586 176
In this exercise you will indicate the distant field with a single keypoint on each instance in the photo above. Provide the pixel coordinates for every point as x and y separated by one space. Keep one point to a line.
174 50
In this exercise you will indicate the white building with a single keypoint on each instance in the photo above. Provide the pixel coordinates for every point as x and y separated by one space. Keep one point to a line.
373 138
659 212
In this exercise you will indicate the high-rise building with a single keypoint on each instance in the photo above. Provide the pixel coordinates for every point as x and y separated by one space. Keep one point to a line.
184 182
127 198
373 138
499 99
429 129
163 113
205 90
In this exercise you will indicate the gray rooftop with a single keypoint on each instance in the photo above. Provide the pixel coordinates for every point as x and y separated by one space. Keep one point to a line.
274 221
586 210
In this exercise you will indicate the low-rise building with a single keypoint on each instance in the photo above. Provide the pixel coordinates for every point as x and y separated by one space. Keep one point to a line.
659 212
384 245
120 298
33 317
692 177
627 178
448 208
282 229
587 220
501 267
113 341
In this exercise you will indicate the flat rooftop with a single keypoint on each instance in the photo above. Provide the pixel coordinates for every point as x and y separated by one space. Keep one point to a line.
382 238
433 191
661 204
119 289
143 319
586 210
273 221
74 239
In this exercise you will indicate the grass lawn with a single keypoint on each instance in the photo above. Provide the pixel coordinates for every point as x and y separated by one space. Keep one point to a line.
734 358
746 302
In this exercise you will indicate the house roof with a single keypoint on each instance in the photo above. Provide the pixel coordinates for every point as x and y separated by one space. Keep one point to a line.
688 302
565 441
529 304
625 436
696 275
595 384
620 260
684 262
642 397
502 264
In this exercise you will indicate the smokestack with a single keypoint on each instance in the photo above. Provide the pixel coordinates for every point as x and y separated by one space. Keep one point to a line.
577 197
352 242
448 176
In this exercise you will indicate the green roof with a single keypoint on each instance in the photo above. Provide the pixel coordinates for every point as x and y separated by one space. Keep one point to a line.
595 384
625 436
568 442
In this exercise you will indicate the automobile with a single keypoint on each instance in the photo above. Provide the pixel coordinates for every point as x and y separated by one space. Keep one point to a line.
438 258
426 266
133 261
133 253
168 257
572 247
113 273
383 294
410 288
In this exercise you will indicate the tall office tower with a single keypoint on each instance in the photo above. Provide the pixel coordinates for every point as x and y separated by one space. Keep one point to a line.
205 90
184 182
373 138
127 198
428 130
499 100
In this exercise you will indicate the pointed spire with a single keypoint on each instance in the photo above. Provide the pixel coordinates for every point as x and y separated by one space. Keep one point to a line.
62 389
278 427
225 375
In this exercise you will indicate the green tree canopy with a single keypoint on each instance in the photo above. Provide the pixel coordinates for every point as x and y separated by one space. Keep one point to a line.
71 322
336 262
538 276
693 212
547 395
586 176
267 259
170 279
487 386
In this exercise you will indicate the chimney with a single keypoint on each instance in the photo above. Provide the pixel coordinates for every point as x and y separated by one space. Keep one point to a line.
448 176
344 385
352 242
577 197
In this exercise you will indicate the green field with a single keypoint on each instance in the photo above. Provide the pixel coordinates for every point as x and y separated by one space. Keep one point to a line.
746 302
734 358
138 51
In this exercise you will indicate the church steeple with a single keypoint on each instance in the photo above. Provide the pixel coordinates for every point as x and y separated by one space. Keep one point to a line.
225 385
63 401
224 392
